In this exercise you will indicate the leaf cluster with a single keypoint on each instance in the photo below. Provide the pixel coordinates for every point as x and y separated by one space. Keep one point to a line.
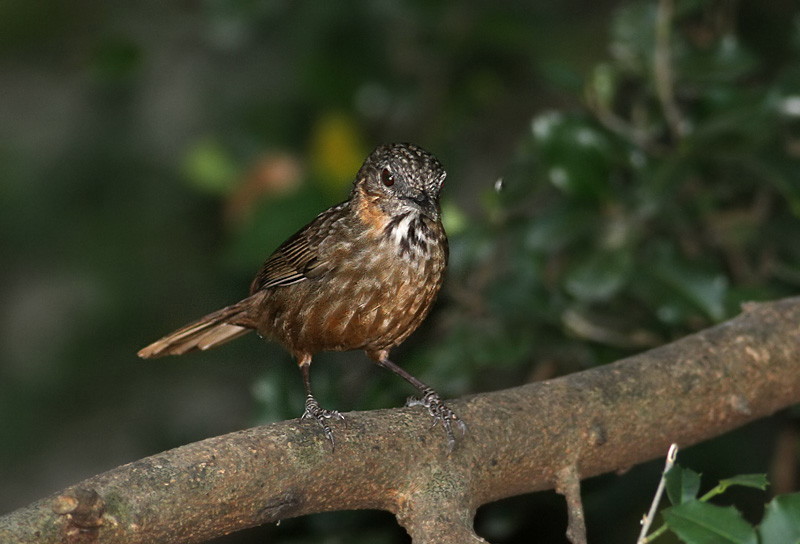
696 521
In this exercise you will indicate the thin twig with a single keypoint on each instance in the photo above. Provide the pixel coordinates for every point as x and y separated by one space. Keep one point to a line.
662 67
648 519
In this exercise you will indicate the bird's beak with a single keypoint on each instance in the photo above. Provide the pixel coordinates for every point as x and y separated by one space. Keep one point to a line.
425 204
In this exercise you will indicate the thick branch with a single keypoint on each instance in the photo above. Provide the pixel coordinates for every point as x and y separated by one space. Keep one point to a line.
519 441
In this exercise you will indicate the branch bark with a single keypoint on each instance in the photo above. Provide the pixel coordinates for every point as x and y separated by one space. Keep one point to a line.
520 440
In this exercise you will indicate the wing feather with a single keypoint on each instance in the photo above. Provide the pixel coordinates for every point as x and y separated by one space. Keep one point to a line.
299 258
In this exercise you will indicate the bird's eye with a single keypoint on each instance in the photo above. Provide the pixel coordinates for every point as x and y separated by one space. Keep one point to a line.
387 177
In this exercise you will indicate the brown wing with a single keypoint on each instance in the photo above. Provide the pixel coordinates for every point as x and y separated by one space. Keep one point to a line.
299 258
304 256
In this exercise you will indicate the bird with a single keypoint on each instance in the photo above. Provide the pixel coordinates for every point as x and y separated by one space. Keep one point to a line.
362 275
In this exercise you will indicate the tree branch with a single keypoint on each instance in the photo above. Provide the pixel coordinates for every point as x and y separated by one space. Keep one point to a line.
568 483
520 440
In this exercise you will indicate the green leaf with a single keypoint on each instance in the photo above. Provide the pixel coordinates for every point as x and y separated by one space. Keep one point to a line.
577 155
682 484
781 523
600 276
704 288
558 226
757 481
209 167
697 522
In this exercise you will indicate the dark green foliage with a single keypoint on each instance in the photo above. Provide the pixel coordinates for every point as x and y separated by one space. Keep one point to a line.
620 228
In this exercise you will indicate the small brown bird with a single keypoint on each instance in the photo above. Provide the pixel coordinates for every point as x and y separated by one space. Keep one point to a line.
362 275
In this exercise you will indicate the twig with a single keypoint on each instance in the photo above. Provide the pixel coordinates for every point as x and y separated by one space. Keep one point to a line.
662 66
648 519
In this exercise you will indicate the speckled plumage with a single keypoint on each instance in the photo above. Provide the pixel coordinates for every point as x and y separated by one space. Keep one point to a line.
361 275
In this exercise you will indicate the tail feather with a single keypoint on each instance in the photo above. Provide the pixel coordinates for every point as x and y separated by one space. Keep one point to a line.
207 332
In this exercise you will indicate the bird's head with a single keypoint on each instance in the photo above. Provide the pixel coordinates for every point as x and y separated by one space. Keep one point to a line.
402 178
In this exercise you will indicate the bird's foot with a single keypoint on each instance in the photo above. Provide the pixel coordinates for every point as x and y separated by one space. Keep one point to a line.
441 413
320 415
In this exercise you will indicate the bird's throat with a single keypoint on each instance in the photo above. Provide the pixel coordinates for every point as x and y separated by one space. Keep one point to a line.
410 234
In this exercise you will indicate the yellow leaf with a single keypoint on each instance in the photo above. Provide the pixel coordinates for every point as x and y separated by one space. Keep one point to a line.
337 150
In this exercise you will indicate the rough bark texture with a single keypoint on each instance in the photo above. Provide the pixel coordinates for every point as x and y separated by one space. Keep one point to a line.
520 440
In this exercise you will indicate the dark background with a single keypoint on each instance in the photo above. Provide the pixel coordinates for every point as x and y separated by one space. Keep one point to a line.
153 154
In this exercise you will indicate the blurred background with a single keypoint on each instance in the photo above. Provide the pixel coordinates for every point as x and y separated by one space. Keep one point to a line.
621 173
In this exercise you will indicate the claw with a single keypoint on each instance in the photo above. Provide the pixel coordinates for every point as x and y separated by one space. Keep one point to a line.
320 415
440 412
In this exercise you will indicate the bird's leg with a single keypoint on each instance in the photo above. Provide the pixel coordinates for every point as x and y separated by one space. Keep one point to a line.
430 399
313 409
